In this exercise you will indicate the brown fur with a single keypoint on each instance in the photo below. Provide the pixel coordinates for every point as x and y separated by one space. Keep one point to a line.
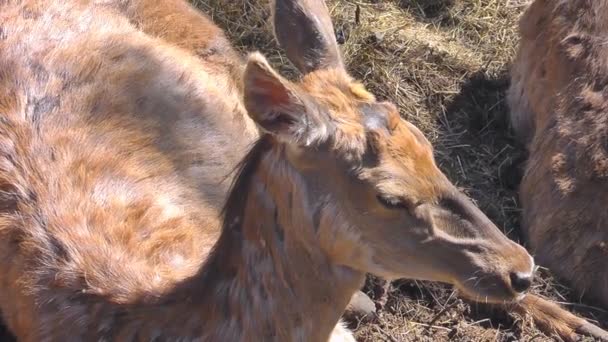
97 117
559 107
565 188
119 121
556 321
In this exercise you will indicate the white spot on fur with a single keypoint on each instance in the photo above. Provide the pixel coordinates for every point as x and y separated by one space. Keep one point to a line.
169 209
177 260
341 334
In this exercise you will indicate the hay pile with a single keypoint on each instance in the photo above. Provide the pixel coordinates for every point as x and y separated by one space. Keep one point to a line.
445 64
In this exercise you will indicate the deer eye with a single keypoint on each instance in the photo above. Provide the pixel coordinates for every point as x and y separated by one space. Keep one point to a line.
391 202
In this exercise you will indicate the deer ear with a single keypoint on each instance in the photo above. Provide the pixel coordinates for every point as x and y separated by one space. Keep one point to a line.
275 104
304 30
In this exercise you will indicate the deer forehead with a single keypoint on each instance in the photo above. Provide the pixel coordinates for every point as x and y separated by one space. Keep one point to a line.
336 89
408 165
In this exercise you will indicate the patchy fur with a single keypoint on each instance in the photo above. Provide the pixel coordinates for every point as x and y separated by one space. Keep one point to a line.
561 75
96 118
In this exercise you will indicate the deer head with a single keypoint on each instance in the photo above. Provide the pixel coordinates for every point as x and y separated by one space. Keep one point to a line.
380 203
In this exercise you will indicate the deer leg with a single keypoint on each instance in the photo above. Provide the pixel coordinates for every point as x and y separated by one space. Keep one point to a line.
553 319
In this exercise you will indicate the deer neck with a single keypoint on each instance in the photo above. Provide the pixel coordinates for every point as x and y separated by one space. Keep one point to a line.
282 284
268 279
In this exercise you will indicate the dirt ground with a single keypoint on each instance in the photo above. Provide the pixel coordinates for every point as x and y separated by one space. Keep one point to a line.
445 64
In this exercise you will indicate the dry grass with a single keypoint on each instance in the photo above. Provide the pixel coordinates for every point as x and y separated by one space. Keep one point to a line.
445 63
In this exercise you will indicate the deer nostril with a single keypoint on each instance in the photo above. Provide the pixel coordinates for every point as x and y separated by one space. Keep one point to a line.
520 281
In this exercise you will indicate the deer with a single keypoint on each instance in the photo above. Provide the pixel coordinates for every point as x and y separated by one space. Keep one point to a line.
120 121
558 110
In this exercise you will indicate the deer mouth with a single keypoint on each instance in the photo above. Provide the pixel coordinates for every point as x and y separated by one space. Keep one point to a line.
491 290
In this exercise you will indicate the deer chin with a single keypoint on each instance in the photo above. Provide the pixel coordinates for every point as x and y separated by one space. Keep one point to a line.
489 294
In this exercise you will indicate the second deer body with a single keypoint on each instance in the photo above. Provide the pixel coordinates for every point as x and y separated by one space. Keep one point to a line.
559 109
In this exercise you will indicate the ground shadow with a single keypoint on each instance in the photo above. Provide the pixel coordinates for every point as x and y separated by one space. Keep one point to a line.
482 109
477 150
430 10
5 335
